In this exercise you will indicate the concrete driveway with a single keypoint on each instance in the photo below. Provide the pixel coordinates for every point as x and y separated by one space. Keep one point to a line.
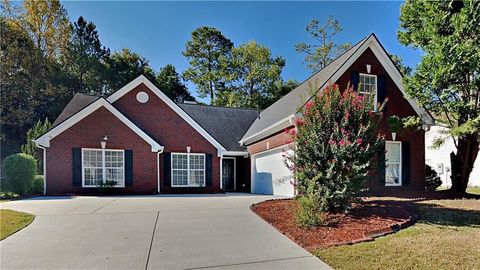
149 232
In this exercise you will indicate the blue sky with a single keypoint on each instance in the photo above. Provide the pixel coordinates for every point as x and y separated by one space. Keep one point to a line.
159 30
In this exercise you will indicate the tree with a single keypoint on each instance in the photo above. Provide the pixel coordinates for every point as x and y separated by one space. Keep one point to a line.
334 143
170 83
84 59
206 52
318 55
30 148
405 70
45 21
447 80
256 73
124 66
20 64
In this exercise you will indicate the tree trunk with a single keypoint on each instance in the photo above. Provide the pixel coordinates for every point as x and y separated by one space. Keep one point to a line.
462 162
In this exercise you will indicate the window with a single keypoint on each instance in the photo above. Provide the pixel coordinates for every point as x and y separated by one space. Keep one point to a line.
368 87
393 163
188 170
102 166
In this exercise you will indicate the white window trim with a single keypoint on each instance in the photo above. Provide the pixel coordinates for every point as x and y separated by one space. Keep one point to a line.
400 165
375 99
188 170
104 169
234 171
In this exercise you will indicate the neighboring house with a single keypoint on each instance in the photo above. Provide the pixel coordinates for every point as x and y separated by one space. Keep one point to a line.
439 158
140 141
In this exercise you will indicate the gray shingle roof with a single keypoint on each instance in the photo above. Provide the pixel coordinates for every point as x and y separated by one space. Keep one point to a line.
290 103
226 125
76 104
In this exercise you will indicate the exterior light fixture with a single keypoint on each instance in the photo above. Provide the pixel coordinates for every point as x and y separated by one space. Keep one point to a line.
103 143
369 68
188 149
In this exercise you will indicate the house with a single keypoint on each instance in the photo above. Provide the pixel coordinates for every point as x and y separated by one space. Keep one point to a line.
439 158
139 141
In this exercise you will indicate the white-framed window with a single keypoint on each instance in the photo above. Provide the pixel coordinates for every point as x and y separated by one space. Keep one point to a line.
103 166
188 170
393 163
368 87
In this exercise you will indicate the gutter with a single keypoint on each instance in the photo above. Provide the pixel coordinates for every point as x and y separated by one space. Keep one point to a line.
158 169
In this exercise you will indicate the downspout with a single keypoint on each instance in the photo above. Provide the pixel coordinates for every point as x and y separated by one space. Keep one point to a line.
158 169
44 150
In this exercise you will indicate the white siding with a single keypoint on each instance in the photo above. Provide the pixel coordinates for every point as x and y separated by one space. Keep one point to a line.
439 159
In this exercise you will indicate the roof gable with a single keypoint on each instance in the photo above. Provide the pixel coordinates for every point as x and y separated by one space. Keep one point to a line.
280 114
44 140
185 116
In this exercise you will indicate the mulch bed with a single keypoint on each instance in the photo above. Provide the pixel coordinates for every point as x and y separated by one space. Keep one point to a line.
365 221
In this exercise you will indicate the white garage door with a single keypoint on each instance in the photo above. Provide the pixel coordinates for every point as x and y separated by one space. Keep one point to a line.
270 175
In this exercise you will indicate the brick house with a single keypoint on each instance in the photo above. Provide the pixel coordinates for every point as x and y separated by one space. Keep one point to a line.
140 141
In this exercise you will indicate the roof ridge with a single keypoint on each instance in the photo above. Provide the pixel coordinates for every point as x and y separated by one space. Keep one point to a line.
315 73
216 106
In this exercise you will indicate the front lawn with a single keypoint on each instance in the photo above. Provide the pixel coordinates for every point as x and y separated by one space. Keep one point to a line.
474 190
447 236
13 221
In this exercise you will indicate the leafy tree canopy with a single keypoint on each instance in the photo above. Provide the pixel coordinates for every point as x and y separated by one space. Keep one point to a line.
447 80
324 50
205 52
171 84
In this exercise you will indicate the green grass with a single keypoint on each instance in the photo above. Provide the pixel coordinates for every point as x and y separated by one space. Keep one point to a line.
13 221
447 236
474 190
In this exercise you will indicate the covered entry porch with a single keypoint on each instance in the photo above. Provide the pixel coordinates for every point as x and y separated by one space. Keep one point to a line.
235 172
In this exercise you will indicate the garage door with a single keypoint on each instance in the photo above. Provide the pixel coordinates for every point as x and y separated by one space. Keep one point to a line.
270 175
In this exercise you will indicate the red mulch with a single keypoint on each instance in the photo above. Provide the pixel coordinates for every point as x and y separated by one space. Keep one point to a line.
364 221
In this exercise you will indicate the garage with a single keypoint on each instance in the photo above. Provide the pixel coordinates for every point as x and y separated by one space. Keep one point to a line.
270 175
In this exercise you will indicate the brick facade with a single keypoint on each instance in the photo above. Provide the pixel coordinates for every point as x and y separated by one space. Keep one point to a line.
397 105
88 133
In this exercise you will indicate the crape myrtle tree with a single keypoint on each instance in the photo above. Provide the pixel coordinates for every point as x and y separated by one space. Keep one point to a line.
447 79
334 143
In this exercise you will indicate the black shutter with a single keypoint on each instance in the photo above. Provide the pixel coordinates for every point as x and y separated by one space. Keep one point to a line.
381 164
167 158
128 168
77 167
208 168
354 81
405 163
381 90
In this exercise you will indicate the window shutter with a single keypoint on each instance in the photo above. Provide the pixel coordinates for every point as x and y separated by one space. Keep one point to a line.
354 81
381 164
77 167
405 163
381 90
208 168
128 168
167 157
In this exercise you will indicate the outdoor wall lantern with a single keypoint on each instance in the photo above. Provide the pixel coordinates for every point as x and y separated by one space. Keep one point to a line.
104 142
188 149
369 68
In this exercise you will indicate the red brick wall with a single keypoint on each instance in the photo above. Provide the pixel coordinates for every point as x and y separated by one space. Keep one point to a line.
169 129
88 133
278 139
397 105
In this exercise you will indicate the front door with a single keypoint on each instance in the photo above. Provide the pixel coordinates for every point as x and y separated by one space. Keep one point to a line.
228 174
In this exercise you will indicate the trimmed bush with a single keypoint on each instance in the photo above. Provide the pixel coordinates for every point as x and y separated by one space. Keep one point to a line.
37 185
432 180
20 171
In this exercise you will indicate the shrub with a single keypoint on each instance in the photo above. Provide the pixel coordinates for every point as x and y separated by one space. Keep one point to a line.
20 171
432 180
334 145
30 148
37 185
308 212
